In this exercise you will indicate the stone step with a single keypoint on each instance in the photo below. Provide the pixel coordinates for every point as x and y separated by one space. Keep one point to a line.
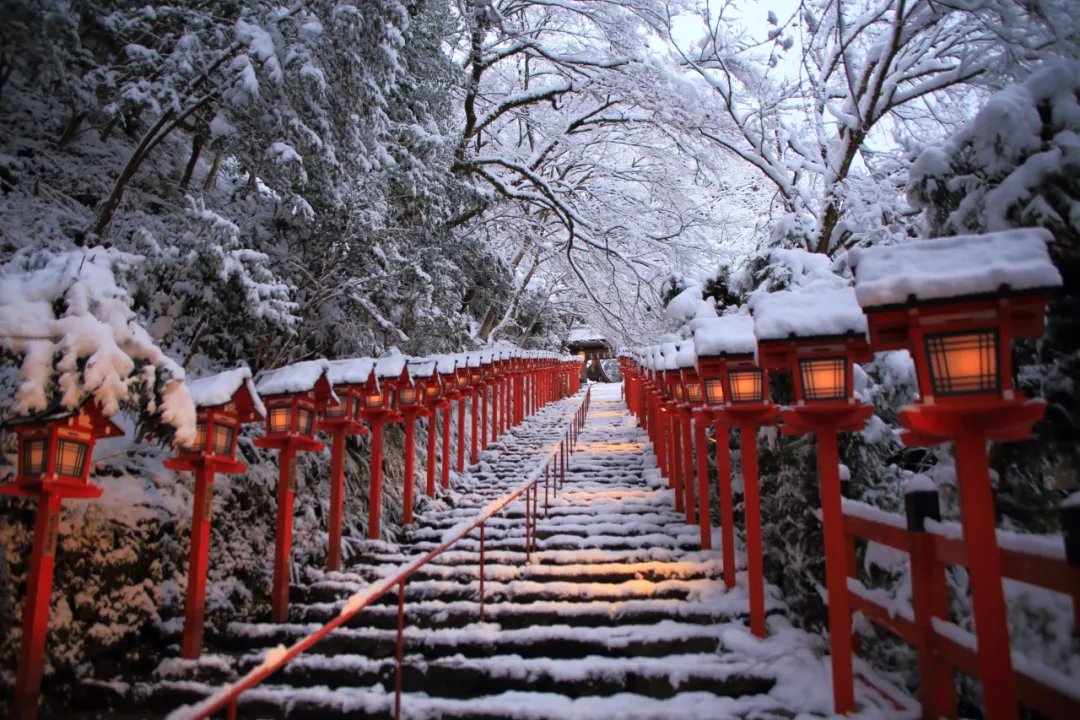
666 637
513 615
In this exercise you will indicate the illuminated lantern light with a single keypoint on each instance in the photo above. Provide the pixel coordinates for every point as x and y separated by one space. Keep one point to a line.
816 335
956 304
342 418
293 395
53 463
223 403
416 400
725 350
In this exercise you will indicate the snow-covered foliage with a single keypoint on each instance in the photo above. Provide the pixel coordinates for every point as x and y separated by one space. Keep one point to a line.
73 326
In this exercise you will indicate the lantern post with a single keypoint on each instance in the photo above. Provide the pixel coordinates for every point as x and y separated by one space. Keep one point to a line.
292 396
485 383
476 388
380 407
54 451
495 374
956 304
690 396
672 388
460 381
223 402
817 337
340 419
412 398
739 391
518 376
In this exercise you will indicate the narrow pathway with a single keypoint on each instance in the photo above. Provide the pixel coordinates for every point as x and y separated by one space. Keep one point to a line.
617 615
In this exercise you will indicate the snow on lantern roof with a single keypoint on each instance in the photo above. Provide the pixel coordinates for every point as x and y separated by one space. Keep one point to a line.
668 353
422 367
220 388
390 366
960 266
446 364
297 378
727 335
350 371
685 357
817 309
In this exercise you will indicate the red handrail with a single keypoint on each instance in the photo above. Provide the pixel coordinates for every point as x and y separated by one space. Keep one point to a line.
276 658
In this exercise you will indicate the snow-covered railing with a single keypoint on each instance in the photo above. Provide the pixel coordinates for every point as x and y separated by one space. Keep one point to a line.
551 470
942 646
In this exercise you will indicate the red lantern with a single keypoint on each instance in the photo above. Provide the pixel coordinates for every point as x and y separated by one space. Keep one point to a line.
293 395
381 404
956 304
817 336
223 402
54 451
738 395
341 418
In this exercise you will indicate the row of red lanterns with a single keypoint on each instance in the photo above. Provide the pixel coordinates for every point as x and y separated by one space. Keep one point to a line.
955 304
340 398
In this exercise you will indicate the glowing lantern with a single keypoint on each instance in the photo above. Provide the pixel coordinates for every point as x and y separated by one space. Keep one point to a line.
292 395
817 337
54 451
956 304
223 402
725 358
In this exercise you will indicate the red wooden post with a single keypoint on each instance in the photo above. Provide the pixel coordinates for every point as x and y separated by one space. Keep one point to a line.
473 439
688 464
984 564
432 432
674 459
279 598
446 444
36 608
528 543
400 649
198 559
496 408
461 434
410 466
929 599
519 397
337 497
752 501
375 483
704 501
836 572
545 490
483 417
727 512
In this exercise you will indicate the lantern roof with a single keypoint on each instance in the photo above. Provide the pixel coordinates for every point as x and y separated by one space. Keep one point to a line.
350 371
391 365
667 353
225 387
727 335
299 377
818 309
422 367
103 426
963 266
685 357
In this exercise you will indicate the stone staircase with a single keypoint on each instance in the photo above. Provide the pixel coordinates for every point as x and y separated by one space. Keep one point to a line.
618 613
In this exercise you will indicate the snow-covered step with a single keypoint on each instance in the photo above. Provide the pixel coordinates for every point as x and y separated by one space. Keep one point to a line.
512 615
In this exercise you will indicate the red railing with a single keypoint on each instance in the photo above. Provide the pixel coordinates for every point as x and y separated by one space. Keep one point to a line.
553 469
942 646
